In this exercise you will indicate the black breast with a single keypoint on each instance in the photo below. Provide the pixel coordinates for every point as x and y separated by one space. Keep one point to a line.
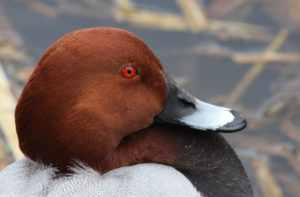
210 163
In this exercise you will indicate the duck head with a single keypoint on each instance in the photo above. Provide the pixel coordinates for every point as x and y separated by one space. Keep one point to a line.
101 96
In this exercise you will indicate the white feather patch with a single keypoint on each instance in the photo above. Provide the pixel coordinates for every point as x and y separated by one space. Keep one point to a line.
27 178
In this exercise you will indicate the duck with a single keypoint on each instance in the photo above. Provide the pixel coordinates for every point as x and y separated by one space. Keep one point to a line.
100 116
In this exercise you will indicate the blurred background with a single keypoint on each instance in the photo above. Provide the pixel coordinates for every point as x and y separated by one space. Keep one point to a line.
244 54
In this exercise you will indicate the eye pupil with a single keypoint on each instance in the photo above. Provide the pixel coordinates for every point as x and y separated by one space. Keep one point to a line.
129 72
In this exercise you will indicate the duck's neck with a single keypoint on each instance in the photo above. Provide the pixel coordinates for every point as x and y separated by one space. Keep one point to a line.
207 160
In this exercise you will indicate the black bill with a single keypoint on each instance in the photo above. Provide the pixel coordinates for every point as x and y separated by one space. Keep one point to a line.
183 109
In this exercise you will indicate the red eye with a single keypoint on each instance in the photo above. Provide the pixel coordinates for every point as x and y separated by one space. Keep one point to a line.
129 72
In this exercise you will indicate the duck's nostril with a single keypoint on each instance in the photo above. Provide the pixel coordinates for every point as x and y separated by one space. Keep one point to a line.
186 103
